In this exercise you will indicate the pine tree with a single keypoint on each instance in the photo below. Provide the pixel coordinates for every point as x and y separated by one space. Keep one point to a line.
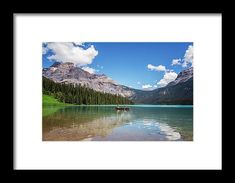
77 94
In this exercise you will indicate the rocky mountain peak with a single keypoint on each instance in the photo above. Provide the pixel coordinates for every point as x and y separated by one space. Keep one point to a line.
186 73
179 91
68 73
56 64
67 65
183 76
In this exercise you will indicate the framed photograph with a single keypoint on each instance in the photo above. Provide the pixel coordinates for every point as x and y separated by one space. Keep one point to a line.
83 101
118 91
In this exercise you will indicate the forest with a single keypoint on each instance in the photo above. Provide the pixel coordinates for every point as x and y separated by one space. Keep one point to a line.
77 94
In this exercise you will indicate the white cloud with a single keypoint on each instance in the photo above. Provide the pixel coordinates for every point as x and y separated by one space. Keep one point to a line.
146 86
156 68
167 78
176 61
89 69
184 64
79 43
149 87
188 56
44 50
187 60
67 52
138 82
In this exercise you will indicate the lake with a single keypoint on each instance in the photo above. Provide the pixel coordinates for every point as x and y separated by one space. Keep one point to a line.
104 123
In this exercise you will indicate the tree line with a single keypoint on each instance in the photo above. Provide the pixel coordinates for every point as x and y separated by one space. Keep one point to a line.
77 94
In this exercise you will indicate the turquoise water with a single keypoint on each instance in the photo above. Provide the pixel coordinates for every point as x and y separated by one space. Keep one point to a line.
104 123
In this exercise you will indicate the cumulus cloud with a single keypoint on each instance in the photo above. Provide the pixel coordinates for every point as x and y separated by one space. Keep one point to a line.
156 68
147 86
89 69
68 52
44 50
187 60
184 64
79 43
138 82
176 61
167 78
169 75
188 56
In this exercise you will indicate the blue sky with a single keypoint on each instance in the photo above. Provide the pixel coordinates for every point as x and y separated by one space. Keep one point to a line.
138 65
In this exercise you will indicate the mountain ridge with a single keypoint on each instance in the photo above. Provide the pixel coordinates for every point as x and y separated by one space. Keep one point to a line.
68 73
179 91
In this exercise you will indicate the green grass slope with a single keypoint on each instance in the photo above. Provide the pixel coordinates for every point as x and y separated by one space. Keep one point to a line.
50 105
50 100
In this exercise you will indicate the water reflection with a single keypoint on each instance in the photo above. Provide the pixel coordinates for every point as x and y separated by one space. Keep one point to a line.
105 123
82 123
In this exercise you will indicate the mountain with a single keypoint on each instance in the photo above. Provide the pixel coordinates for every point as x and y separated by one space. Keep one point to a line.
68 73
182 77
179 91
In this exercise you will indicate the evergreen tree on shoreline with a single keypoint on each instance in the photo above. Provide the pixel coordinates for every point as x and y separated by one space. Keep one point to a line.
77 94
